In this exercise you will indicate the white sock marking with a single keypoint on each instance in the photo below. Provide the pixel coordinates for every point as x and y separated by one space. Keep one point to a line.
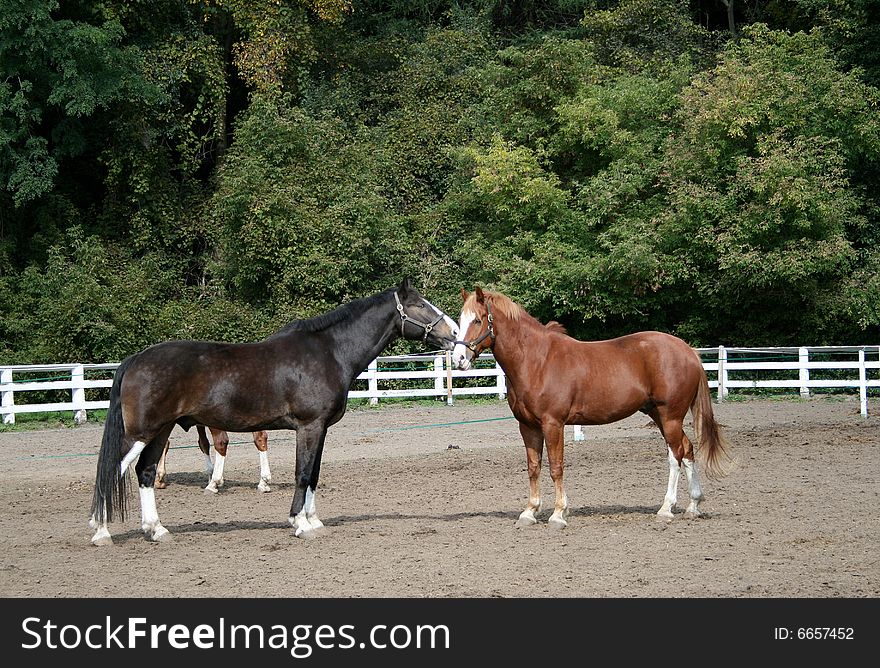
265 473
672 486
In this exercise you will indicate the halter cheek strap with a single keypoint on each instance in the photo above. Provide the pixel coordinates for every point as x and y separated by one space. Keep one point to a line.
489 333
404 318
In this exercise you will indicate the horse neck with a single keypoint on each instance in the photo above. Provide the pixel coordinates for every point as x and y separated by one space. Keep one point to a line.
359 340
516 342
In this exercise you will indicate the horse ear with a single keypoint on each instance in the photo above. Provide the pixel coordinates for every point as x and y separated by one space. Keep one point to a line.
464 295
405 287
480 296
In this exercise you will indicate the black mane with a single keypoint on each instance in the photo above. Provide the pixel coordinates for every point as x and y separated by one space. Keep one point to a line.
325 320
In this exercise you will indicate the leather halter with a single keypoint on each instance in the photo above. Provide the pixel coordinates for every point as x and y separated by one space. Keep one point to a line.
489 333
404 318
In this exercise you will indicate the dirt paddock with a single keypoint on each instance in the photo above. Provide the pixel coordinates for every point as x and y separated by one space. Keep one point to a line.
421 501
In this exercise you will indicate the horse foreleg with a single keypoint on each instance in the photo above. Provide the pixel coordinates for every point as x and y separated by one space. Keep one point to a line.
303 513
311 493
555 437
534 442
261 440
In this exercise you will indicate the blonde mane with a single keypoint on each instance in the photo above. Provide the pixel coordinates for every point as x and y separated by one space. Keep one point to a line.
500 302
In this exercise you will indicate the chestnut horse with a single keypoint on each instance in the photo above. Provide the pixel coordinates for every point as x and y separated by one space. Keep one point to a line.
298 378
215 468
554 380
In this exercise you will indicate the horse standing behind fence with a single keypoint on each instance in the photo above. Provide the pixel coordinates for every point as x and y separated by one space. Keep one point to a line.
554 380
298 379
215 468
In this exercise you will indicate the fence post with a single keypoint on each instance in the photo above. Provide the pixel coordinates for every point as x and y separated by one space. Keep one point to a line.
804 372
373 382
448 360
863 383
722 373
500 381
78 394
438 375
8 398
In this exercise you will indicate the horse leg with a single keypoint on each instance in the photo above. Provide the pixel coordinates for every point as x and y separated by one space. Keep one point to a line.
534 441
674 437
309 440
690 471
146 474
221 441
160 468
205 447
131 448
311 507
554 434
261 440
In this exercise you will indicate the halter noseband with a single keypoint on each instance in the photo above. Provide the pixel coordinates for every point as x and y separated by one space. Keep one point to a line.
489 333
404 318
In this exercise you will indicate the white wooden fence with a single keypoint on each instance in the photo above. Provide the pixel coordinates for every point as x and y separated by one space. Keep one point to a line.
856 367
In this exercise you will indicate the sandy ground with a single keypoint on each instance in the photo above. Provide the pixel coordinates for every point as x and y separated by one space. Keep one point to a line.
421 501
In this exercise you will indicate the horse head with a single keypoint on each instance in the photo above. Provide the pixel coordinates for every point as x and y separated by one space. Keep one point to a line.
420 319
477 327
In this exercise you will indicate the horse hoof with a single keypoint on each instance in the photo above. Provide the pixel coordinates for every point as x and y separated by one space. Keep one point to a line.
692 514
557 523
160 484
664 516
162 535
263 487
311 534
526 521
210 489
102 541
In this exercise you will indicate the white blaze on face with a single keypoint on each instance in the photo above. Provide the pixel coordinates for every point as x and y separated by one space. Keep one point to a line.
460 352
449 321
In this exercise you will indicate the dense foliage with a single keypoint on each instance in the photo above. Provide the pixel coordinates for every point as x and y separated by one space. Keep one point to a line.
215 168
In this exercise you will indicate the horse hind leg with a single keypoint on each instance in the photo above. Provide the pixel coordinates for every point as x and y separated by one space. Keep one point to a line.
695 492
534 442
102 536
146 474
555 437
674 437
261 440
221 443
160 468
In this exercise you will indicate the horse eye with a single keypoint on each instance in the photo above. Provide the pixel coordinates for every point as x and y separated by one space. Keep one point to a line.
478 321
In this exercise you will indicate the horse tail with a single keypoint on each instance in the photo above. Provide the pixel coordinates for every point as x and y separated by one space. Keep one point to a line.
712 445
111 486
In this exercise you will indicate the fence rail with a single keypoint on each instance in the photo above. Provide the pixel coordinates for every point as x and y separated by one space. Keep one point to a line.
392 377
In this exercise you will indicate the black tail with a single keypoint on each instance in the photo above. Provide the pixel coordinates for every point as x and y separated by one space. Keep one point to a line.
110 487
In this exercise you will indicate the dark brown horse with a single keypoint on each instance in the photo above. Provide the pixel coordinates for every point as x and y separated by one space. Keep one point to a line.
215 468
298 378
554 380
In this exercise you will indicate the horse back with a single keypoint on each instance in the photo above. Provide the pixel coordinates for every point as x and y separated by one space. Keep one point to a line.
597 382
227 385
